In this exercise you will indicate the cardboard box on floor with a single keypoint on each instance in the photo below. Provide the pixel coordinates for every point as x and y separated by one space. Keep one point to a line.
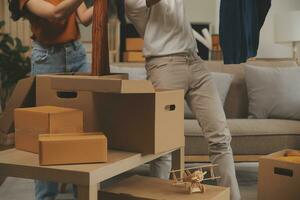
30 122
22 96
279 177
146 188
63 149
132 115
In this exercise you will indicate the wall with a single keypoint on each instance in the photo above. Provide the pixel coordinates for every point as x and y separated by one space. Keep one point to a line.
268 48
202 11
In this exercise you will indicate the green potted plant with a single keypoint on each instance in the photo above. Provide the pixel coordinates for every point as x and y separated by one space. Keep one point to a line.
14 64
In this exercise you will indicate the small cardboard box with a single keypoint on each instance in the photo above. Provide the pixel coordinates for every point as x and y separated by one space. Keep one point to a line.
30 122
133 56
134 44
146 188
129 110
279 177
63 149
22 96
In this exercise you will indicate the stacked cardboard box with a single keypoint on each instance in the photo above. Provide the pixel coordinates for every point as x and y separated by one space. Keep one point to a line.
30 122
145 188
57 135
134 47
72 148
279 176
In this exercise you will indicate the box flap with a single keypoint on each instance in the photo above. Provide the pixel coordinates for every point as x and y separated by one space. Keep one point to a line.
22 96
101 84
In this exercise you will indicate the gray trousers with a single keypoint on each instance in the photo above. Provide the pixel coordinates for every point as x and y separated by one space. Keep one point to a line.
188 72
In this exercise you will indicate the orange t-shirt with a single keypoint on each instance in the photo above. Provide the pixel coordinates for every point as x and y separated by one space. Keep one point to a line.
51 33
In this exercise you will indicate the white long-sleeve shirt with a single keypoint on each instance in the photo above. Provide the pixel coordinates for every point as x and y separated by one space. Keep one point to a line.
164 27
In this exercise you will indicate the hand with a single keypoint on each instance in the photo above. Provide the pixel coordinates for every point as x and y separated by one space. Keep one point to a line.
150 3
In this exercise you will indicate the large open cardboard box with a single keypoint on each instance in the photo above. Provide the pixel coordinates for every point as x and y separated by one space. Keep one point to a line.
279 177
146 188
134 116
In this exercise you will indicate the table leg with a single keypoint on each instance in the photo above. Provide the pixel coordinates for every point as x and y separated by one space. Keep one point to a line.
178 160
87 192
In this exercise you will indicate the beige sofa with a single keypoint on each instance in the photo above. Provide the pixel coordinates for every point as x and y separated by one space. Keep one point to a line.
251 138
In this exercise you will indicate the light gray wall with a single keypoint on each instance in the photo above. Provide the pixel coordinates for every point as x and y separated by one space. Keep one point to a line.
268 48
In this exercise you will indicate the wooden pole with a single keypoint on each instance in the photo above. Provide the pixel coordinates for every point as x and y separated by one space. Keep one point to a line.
100 54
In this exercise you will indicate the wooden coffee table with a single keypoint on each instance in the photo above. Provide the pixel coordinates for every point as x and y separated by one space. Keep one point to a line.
15 163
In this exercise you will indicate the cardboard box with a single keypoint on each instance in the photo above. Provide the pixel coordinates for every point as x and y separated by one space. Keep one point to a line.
146 188
30 122
149 122
133 56
134 44
22 96
279 177
143 120
62 149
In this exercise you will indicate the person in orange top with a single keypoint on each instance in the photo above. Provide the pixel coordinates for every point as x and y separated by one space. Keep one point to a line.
56 47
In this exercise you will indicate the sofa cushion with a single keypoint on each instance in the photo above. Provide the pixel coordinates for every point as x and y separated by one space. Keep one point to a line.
250 127
273 92
222 82
249 136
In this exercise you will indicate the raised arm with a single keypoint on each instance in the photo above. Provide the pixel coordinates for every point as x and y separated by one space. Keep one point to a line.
137 12
52 12
84 14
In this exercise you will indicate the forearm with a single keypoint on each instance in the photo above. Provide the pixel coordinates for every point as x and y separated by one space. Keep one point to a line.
52 12
85 15
66 7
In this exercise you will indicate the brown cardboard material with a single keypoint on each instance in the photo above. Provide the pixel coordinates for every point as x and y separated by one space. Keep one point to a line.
63 149
30 122
134 44
90 103
133 56
150 122
146 188
101 84
278 179
22 96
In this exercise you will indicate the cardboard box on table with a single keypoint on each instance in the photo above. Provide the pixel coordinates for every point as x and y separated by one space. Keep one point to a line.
279 177
146 188
30 122
133 56
132 114
61 149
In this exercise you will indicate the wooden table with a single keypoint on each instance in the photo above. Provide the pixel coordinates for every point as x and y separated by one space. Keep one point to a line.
15 163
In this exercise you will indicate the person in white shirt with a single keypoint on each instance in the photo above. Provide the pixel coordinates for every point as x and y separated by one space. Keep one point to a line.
172 63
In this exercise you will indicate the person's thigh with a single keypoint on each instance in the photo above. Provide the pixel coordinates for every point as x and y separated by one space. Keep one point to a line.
167 73
47 60
76 58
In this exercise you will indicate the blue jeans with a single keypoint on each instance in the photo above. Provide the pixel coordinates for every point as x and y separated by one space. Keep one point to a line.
66 58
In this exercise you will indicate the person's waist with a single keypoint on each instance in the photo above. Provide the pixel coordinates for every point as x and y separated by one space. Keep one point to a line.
72 43
186 55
